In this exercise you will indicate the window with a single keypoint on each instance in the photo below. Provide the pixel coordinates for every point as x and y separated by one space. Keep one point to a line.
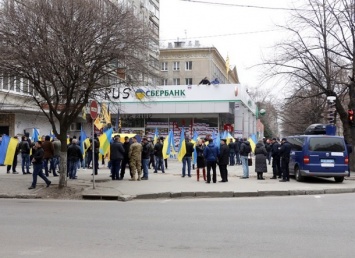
17 84
176 66
188 66
164 66
164 82
326 144
5 84
176 81
188 81
296 143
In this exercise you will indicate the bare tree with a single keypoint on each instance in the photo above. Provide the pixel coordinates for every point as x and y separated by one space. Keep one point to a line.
318 52
265 101
70 52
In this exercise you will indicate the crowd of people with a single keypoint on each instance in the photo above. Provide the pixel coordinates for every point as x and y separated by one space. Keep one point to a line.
237 152
140 157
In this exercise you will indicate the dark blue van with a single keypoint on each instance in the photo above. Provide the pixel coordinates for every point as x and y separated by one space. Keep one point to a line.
318 156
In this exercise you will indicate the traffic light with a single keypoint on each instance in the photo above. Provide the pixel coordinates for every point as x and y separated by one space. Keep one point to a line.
351 117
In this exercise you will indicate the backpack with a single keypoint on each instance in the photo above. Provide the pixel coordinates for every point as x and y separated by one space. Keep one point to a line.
247 149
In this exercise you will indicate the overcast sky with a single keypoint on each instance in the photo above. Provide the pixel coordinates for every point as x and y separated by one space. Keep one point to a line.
244 34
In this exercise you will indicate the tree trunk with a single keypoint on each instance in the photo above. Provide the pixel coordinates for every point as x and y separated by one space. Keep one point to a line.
63 170
63 158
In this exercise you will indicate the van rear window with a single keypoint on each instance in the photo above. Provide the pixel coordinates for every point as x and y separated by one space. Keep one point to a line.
326 144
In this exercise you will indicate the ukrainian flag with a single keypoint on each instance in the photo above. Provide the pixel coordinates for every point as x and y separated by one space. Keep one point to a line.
7 150
156 135
252 141
105 140
83 141
182 145
167 145
194 141
217 142
35 135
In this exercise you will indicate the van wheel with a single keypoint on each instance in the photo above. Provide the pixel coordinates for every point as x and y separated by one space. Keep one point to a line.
339 179
298 175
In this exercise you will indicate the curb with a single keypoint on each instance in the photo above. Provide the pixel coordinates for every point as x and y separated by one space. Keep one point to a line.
19 196
223 194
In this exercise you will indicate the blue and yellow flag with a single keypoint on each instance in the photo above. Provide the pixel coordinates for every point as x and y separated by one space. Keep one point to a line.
167 145
105 140
252 140
83 141
217 142
35 135
182 145
8 150
194 141
156 135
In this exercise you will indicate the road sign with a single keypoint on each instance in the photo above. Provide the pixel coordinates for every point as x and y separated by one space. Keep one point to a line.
93 109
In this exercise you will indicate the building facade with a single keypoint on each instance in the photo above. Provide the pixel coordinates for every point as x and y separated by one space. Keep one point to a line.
188 63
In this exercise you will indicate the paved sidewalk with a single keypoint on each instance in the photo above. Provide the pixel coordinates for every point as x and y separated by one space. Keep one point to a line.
169 185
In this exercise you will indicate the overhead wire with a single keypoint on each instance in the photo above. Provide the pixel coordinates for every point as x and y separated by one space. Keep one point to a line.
247 6
225 35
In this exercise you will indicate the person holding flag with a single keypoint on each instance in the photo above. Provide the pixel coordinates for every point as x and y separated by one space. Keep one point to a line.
189 149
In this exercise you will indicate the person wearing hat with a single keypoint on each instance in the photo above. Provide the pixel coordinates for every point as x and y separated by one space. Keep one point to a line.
125 160
135 159
276 162
285 151
223 160
37 161
116 156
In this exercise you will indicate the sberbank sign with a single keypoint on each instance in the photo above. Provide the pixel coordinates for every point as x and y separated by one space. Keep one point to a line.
165 93
139 93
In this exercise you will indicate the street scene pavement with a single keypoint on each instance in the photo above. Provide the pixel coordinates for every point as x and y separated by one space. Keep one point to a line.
167 185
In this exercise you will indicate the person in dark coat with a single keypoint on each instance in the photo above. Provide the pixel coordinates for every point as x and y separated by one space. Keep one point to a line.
223 161
211 153
260 159
187 158
205 81
37 161
125 160
158 153
275 154
145 157
285 151
201 163
116 156
74 155
231 146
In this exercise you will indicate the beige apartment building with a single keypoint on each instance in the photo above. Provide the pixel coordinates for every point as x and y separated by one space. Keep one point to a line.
187 63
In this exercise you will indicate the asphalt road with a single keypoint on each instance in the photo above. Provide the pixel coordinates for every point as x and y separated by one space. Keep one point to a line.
296 226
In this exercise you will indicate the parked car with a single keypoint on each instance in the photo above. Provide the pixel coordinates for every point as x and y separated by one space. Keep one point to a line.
318 156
